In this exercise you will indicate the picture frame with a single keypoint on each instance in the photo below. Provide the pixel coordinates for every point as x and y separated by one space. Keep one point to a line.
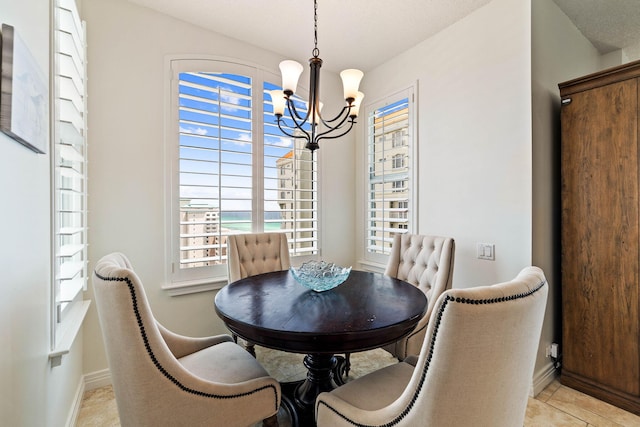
24 99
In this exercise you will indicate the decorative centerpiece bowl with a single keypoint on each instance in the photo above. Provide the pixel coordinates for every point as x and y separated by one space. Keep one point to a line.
319 275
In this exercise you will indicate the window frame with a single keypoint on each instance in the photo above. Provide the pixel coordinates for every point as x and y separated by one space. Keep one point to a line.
69 178
197 279
410 162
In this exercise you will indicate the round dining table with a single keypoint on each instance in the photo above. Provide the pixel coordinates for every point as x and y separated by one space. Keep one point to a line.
274 310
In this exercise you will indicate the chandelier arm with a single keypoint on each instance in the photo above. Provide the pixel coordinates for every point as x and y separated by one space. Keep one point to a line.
305 136
291 106
342 117
325 135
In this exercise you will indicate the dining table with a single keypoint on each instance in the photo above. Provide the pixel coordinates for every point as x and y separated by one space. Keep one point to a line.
368 310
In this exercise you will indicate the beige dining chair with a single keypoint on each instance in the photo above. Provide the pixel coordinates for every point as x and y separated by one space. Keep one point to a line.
256 253
164 379
474 368
426 262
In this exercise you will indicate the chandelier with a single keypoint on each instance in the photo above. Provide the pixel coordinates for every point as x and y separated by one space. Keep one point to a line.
333 128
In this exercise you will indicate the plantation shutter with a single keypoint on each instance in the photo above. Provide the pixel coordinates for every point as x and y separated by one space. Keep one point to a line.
69 159
290 189
216 164
388 200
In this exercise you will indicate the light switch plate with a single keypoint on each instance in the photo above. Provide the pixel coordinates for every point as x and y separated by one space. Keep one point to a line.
486 251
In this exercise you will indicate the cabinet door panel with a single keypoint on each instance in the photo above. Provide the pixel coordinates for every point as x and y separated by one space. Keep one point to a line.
600 237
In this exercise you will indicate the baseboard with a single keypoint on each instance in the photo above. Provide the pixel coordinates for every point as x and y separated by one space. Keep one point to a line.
88 382
97 379
542 379
77 404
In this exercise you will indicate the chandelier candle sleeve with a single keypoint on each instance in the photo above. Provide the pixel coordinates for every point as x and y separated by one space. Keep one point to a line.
355 108
279 101
291 71
351 82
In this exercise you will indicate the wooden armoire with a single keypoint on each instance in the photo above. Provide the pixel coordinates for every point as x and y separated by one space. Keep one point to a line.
600 235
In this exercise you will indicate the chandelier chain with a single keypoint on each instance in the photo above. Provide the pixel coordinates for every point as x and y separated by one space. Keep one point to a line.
315 52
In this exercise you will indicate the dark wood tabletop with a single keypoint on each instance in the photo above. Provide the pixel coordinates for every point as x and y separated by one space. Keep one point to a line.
367 311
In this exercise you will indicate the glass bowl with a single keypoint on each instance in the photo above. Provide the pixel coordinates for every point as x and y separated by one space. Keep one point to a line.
320 276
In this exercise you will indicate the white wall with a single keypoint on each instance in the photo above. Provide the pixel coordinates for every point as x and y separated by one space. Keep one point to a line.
127 50
488 162
31 392
475 140
474 136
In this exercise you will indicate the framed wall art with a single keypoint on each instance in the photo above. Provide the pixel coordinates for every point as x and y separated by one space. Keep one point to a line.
24 99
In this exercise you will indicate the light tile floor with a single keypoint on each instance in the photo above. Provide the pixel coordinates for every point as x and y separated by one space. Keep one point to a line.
558 405
555 406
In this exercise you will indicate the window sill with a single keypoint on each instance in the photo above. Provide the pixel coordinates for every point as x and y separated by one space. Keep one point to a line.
376 267
194 286
74 323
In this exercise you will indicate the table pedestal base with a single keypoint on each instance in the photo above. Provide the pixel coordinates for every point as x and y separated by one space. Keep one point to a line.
299 398
319 378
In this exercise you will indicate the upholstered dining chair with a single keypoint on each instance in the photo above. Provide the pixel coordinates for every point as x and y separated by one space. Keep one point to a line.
474 368
426 262
164 379
256 253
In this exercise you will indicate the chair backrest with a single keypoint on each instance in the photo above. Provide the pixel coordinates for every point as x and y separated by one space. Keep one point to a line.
256 253
477 360
474 369
424 261
153 385
134 346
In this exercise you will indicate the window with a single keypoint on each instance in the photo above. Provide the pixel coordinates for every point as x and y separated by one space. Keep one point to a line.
390 153
235 171
69 178
398 186
397 138
398 160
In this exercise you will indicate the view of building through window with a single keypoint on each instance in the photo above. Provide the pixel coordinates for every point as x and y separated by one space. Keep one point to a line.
389 174
234 178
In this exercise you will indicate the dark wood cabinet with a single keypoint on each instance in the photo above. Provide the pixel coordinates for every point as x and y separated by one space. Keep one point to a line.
600 237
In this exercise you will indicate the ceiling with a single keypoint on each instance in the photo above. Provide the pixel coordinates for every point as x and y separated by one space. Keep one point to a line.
608 24
366 33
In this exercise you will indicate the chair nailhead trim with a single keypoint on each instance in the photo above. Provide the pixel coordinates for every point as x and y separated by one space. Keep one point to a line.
448 299
145 339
